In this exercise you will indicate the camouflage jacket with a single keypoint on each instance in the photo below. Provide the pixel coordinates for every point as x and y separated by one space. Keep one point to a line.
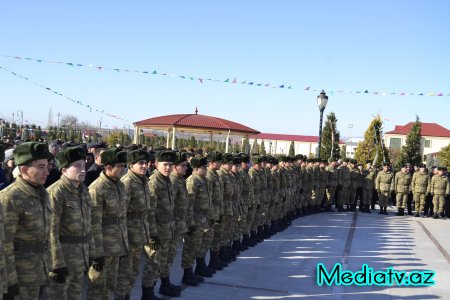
332 176
384 181
138 207
182 205
305 179
368 181
247 189
27 216
420 183
161 214
228 190
310 172
355 178
71 238
200 196
269 189
440 185
256 184
3 275
216 192
402 182
276 187
344 177
109 216
323 178
263 186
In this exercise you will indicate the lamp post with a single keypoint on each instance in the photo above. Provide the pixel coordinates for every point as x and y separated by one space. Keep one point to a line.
322 100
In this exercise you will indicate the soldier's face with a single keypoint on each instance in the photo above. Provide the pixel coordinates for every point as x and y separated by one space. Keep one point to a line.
139 168
181 168
36 173
422 170
227 166
201 171
245 166
164 167
76 171
116 171
235 168
275 167
440 172
385 168
215 165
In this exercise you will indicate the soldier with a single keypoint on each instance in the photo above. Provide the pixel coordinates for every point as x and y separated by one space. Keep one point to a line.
402 184
27 212
199 196
354 184
238 211
384 184
332 184
161 227
420 186
256 184
136 186
3 275
440 188
248 201
344 185
322 183
71 239
214 162
94 171
274 207
368 180
109 223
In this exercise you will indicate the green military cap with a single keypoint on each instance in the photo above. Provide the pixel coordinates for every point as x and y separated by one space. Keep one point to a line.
323 161
214 156
181 157
237 160
197 162
299 157
310 160
422 166
137 155
227 157
255 159
263 158
113 156
166 156
292 158
30 151
347 160
70 155
441 168
245 158
386 164
273 160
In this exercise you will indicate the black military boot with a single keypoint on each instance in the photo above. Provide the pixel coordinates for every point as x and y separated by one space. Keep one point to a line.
368 209
266 231
398 212
385 211
148 293
441 215
246 240
127 297
274 227
189 277
253 238
201 269
260 233
435 216
236 247
168 289
214 261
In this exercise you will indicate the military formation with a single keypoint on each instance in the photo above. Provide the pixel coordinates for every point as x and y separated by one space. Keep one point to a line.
133 207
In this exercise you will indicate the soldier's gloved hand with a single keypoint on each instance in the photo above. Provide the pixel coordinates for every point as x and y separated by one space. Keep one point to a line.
98 263
13 291
59 275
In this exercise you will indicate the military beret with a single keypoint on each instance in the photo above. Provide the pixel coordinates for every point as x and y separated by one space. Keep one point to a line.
283 158
214 156
245 158
181 157
255 159
237 160
166 156
227 157
70 155
134 156
30 151
113 156
197 162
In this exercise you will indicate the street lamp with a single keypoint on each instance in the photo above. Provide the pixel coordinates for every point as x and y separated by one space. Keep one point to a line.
322 100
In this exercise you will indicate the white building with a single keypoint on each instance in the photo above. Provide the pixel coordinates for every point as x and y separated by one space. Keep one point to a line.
434 137
280 143
351 145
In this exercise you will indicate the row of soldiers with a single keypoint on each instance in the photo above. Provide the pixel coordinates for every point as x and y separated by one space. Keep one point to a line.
52 237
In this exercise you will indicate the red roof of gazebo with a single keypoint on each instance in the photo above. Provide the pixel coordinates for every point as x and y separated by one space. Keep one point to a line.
197 121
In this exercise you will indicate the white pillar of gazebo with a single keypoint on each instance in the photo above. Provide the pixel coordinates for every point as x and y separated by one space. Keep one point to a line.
173 138
228 142
168 138
136 134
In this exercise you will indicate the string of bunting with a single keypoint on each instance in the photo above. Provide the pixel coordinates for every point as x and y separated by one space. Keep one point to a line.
228 80
88 106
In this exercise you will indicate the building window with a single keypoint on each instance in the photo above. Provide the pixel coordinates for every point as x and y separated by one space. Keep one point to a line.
395 143
427 144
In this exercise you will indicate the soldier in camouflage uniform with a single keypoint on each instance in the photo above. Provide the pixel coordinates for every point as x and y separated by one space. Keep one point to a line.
109 223
27 212
332 179
344 185
322 182
420 186
264 199
368 181
71 239
248 201
439 189
240 213
202 207
256 208
310 187
402 184
161 227
384 184
354 184
274 208
305 184
136 185
214 162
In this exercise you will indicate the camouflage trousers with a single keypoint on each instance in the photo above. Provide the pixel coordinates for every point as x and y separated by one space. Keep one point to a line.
270 214
156 262
419 199
101 288
205 245
218 236
70 290
128 271
366 197
191 245
177 239
331 192
257 218
383 198
228 230
343 196
351 196
320 195
401 199
250 219
310 196
438 203
238 228
28 293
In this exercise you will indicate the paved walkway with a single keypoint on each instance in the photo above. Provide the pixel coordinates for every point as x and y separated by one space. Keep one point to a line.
284 266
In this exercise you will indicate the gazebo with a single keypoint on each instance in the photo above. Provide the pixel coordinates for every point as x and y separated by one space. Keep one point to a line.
193 123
